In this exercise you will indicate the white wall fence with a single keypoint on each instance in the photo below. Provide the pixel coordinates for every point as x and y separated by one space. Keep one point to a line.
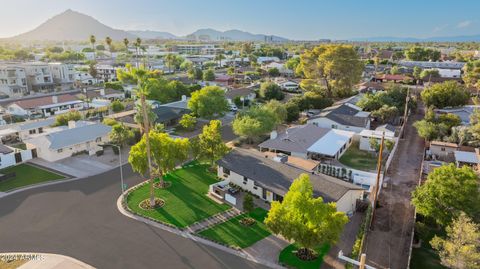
14 158
349 174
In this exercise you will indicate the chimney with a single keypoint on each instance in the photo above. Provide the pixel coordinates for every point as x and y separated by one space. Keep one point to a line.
273 134
54 99
184 98
71 124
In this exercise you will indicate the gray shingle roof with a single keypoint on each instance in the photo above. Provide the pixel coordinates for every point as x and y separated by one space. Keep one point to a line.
74 136
343 114
35 124
296 139
5 150
278 177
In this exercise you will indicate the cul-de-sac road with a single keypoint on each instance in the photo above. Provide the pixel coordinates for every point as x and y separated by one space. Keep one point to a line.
80 219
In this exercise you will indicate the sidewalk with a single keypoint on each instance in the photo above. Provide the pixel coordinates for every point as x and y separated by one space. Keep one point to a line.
49 261
213 220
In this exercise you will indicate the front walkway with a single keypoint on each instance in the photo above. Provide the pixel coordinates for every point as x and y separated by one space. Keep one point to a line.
213 220
268 249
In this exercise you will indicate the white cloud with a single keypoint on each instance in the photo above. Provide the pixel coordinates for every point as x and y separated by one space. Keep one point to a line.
464 24
440 28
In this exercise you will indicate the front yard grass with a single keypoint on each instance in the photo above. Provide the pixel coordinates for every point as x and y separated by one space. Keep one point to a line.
235 234
288 257
186 200
26 175
359 159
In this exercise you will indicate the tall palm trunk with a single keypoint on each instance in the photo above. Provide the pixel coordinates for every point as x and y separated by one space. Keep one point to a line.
146 127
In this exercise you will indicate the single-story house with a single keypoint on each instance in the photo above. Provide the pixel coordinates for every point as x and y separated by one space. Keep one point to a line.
223 79
25 130
45 105
390 78
270 179
370 86
466 158
463 112
170 113
64 142
346 116
282 69
309 141
288 85
443 150
248 94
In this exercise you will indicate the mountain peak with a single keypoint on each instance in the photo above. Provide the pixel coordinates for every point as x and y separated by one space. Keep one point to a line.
72 25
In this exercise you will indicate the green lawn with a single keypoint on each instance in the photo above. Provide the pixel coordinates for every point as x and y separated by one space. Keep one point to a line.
289 258
359 159
234 234
26 175
186 200
425 256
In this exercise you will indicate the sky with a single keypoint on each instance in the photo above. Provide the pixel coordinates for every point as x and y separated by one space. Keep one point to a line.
294 19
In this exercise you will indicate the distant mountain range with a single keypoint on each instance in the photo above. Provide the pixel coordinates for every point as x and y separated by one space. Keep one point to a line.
75 26
72 25
463 38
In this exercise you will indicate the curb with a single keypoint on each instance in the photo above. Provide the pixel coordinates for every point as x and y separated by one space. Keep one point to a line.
40 256
193 237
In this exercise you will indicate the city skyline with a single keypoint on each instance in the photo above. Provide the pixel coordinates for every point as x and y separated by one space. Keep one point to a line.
326 19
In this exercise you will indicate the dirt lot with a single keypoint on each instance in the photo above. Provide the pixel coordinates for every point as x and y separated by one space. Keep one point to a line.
388 243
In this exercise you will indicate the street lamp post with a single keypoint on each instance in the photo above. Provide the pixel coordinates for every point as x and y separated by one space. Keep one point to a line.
120 161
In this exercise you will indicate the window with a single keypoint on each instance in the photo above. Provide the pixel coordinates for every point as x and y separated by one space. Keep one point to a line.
60 150
226 172
99 139
442 149
245 180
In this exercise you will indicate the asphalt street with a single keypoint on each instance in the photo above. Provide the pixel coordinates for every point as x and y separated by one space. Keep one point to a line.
80 219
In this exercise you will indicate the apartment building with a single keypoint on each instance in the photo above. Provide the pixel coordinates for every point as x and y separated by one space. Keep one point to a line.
106 73
39 76
13 80
205 49
62 73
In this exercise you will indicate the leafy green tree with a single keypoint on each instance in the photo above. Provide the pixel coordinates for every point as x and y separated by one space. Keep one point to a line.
447 191
417 71
117 106
338 66
472 73
461 247
446 94
385 113
304 219
292 63
273 72
188 121
429 130
389 144
109 122
422 54
395 70
120 134
209 75
270 90
166 153
248 204
374 144
211 143
195 148
293 112
254 122
278 109
315 100
93 40
208 102
427 74
63 119
195 73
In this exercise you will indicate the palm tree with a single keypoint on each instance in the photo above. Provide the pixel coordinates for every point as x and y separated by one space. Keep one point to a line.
137 44
219 57
142 77
125 43
108 40
93 40
170 61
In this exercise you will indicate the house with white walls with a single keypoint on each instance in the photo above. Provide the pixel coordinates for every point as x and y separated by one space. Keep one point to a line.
45 106
63 142
270 180
309 142
346 116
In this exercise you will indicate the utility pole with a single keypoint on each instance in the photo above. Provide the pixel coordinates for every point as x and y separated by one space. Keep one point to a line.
405 112
377 185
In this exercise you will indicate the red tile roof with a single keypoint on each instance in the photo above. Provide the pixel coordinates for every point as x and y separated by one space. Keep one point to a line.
44 100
